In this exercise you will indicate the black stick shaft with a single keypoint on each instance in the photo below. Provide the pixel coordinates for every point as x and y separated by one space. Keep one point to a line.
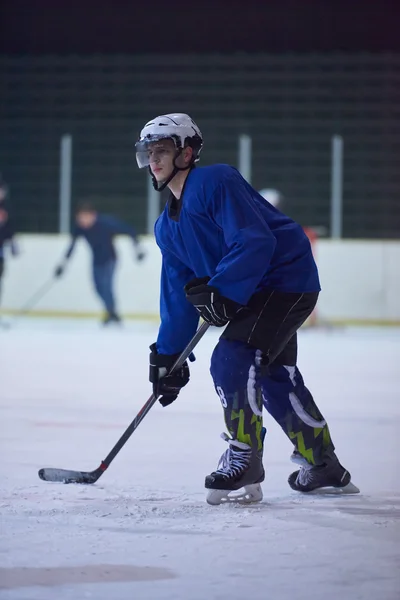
152 400
38 295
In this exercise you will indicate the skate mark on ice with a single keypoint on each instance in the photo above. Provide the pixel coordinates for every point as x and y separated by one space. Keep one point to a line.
373 507
372 517
77 425
17 577
157 531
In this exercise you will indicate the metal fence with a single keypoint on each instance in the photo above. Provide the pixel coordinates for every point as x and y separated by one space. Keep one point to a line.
290 105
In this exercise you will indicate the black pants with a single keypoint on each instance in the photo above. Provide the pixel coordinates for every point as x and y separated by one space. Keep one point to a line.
270 324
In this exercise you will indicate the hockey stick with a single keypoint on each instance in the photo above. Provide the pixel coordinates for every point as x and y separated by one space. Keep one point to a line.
67 476
34 299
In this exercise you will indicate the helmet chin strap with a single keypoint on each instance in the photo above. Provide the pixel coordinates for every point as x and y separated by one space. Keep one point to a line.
175 170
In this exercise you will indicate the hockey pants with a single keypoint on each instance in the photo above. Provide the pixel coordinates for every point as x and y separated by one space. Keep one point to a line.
247 379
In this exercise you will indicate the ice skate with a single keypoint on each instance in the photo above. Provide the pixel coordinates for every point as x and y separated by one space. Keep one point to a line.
238 476
329 478
111 318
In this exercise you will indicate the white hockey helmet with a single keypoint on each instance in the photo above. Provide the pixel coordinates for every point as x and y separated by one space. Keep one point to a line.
272 196
178 127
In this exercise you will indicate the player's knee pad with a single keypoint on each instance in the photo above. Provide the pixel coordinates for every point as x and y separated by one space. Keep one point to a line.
232 364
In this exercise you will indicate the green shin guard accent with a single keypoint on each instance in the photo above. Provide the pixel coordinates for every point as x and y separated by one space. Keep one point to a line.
298 440
244 426
314 443
258 424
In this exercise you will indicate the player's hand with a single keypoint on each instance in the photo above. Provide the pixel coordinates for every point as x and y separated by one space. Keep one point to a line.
59 271
211 306
166 386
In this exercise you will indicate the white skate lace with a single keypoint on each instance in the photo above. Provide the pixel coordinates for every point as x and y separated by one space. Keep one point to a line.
233 462
306 475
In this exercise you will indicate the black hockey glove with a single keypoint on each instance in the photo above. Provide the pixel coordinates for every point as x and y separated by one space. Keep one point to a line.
166 386
211 306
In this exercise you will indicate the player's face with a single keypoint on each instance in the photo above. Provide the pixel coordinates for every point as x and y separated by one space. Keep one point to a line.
86 219
161 159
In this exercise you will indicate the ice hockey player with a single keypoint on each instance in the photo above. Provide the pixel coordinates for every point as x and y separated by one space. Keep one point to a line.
99 231
230 257
7 232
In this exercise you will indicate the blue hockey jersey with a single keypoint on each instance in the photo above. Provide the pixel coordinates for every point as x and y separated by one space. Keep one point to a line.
100 237
222 228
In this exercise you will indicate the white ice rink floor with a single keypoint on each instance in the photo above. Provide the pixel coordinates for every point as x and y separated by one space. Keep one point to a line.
144 532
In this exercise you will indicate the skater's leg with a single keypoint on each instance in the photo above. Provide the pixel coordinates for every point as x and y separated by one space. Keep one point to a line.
235 371
292 405
97 273
109 297
272 328
103 276
1 273
1 277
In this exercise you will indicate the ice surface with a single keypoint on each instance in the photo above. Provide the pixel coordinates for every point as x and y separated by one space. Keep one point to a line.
144 532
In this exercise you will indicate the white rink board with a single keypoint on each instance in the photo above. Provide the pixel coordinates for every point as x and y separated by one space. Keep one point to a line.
360 279
144 531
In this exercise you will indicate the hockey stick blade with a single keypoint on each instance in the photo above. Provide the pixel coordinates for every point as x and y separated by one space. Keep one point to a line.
68 476
87 477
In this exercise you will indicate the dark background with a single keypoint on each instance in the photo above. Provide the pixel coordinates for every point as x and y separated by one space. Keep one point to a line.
70 26
290 74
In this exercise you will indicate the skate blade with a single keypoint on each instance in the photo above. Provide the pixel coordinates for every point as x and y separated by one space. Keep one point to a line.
247 495
350 488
